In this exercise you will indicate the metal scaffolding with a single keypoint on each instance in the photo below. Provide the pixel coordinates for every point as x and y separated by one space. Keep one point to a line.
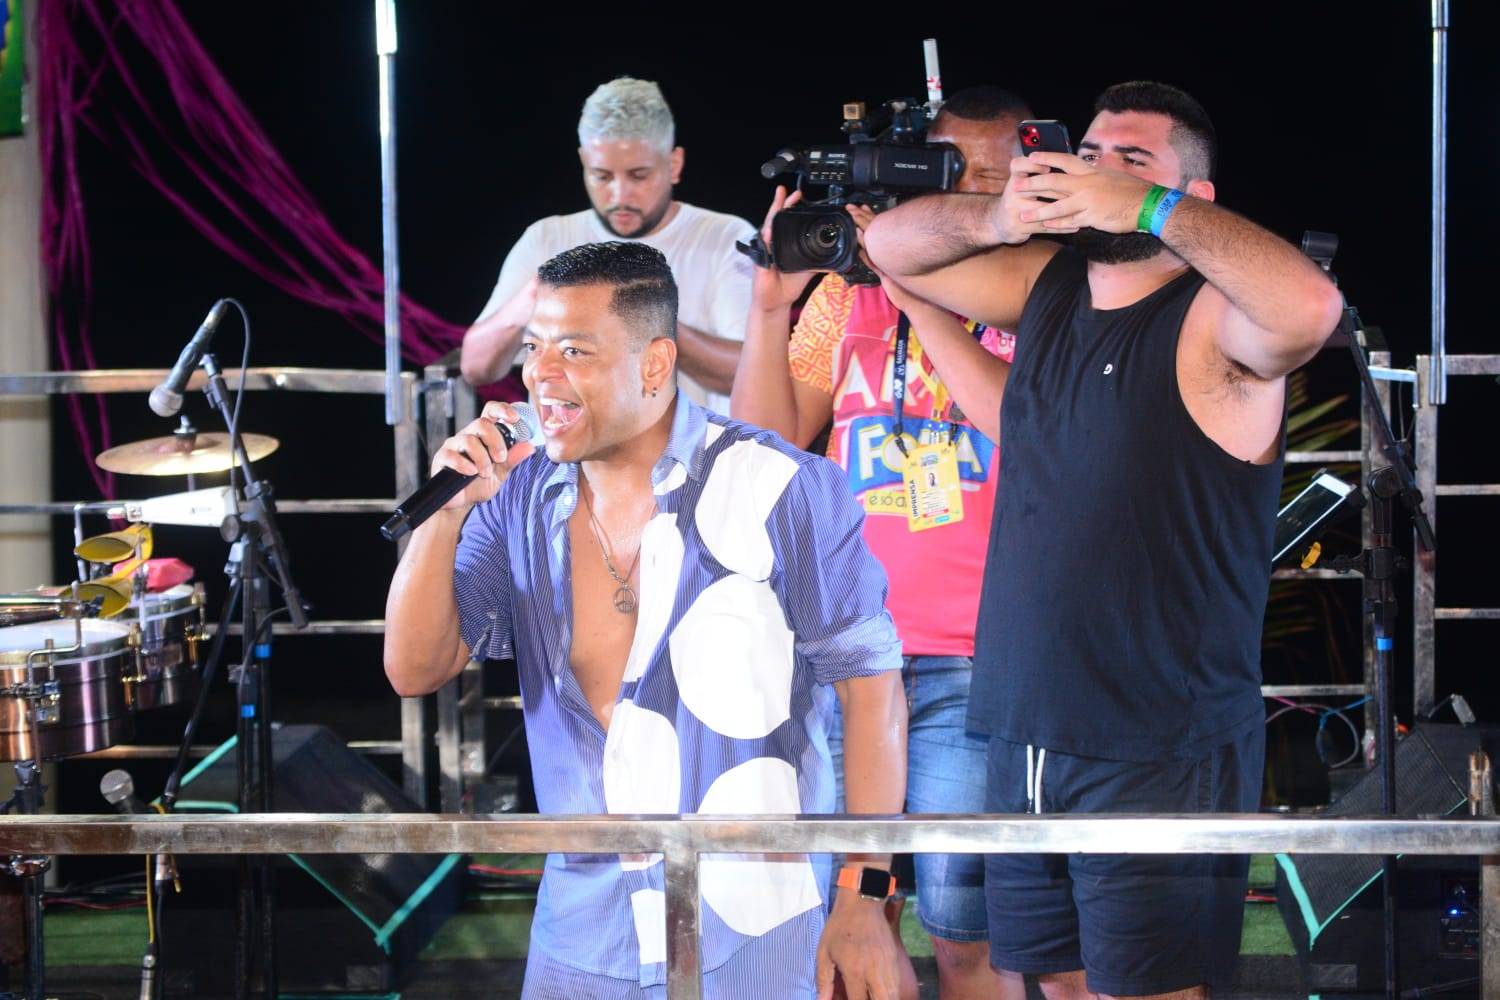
1425 610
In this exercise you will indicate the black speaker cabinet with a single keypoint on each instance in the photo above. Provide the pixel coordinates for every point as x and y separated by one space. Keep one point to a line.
346 923
1332 903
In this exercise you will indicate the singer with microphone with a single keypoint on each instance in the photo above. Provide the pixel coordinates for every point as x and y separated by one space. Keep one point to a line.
684 597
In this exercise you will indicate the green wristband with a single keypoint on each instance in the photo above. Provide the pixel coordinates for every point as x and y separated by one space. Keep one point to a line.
1148 208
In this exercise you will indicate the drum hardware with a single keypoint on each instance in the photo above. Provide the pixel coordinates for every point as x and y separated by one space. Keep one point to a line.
25 609
205 508
27 799
61 689
133 643
185 454
40 702
195 634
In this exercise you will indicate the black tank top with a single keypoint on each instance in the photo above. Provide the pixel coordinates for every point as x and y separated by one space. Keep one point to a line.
1130 556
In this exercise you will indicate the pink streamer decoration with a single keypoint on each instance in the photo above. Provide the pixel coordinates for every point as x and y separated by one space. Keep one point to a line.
243 198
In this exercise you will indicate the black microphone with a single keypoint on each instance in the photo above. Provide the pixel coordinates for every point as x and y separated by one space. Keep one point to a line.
166 399
446 483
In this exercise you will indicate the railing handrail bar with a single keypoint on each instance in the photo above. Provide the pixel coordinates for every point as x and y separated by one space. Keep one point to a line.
423 833
285 378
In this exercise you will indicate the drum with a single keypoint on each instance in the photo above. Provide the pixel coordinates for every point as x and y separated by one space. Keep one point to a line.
171 623
79 699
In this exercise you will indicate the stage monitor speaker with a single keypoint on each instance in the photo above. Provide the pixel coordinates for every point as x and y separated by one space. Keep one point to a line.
1335 923
345 922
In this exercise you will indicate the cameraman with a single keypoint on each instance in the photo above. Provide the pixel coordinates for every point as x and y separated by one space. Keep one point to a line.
630 164
835 368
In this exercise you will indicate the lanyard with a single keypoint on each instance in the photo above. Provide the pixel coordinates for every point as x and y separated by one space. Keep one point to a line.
898 379
898 385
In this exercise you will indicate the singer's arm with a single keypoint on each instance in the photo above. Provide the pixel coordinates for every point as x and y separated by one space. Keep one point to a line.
423 650
423 647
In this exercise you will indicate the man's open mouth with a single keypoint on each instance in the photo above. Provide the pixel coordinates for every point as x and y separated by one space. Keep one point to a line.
557 414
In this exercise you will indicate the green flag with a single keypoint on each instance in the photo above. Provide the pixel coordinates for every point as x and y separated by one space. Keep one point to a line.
11 46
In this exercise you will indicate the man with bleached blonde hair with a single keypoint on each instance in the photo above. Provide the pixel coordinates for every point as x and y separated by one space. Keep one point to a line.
627 147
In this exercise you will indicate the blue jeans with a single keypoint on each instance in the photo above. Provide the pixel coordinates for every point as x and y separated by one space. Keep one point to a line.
945 773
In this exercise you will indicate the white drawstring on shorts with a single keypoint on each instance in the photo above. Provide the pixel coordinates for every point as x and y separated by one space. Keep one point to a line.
1036 760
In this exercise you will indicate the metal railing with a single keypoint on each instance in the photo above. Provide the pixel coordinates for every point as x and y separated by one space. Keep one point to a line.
682 840
1425 611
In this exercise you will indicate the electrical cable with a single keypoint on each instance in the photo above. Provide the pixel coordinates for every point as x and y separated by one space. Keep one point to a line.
1324 712
239 397
150 909
492 870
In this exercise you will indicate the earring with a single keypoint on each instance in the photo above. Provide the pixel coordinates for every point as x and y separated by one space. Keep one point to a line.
653 393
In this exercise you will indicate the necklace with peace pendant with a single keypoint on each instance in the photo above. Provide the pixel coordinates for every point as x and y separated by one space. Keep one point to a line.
625 596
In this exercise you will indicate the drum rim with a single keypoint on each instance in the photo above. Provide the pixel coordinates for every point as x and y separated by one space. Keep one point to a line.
176 605
99 649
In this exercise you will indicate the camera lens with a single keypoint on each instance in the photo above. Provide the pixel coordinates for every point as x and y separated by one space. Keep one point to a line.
824 241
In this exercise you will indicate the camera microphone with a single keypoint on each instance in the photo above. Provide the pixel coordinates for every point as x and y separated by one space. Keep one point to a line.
446 483
784 162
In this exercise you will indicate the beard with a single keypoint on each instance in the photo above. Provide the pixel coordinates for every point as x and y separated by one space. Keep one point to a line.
1113 248
650 218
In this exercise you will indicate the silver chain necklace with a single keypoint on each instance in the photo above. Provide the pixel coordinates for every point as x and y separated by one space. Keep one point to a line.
625 596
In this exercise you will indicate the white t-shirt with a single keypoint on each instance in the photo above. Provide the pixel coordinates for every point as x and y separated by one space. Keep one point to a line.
713 278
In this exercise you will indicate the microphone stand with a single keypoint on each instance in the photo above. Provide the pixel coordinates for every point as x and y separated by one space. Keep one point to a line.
258 554
1380 564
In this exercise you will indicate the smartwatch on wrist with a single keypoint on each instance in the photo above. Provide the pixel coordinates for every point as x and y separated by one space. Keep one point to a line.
871 883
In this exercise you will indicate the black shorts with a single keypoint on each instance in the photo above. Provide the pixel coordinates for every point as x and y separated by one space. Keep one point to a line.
1137 924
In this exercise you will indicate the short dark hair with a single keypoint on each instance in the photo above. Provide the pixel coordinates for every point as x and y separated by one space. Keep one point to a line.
645 294
1192 133
985 103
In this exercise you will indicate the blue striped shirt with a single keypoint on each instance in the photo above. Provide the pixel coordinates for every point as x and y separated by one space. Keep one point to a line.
756 593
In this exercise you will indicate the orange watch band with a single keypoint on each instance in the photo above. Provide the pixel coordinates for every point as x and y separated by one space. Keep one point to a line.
860 879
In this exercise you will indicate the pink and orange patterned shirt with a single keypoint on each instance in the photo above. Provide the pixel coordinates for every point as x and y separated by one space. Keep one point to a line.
844 345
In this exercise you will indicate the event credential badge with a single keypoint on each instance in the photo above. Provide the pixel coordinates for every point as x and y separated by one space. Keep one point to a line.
934 496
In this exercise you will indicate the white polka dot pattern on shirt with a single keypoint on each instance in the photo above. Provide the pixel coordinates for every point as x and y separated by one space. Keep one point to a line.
642 771
649 907
752 895
661 566
732 656
742 488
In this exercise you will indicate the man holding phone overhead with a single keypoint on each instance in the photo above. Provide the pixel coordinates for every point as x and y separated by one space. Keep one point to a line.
1117 661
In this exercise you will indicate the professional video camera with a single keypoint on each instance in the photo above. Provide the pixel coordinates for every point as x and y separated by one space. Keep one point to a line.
887 158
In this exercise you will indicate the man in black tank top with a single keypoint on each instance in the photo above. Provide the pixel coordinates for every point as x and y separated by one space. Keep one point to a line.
1117 662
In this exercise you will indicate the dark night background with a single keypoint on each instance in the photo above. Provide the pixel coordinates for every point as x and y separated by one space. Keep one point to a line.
1322 111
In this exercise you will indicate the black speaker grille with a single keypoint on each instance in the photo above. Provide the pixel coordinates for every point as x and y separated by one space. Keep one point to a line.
1424 787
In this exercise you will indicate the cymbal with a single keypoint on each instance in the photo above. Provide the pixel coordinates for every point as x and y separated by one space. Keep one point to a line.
182 455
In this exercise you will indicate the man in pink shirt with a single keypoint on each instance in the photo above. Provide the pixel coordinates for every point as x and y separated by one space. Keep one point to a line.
839 364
